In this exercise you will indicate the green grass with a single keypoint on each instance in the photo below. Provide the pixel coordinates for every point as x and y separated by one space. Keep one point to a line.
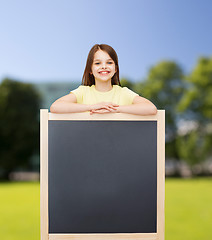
188 210
19 211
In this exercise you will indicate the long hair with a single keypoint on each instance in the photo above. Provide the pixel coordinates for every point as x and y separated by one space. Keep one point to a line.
88 78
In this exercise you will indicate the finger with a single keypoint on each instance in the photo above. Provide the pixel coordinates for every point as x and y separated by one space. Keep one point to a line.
101 111
108 111
113 107
113 110
104 110
107 108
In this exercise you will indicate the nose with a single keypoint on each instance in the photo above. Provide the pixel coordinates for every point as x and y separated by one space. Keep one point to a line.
103 65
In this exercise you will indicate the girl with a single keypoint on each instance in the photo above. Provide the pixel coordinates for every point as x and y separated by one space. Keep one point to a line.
101 91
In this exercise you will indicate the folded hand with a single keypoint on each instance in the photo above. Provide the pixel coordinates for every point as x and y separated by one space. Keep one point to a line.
104 107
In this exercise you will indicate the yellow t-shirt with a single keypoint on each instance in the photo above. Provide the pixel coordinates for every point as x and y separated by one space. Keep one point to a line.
118 95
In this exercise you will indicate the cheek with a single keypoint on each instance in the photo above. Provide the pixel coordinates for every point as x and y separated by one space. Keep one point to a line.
114 68
94 69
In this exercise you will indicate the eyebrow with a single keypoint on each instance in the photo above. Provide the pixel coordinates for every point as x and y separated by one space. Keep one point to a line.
100 59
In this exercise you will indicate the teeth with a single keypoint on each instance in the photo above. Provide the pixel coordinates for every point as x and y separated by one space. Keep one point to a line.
103 72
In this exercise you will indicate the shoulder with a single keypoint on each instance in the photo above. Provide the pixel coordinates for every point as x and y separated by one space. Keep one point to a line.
121 88
81 88
118 88
126 90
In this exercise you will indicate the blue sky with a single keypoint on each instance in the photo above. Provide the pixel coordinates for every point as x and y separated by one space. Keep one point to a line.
48 40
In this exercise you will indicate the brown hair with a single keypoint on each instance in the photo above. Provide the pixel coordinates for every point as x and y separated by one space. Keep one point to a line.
88 78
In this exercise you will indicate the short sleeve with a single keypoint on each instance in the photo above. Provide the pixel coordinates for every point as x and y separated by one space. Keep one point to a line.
78 92
129 95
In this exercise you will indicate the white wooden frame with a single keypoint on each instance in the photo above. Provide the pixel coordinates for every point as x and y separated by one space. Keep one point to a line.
45 116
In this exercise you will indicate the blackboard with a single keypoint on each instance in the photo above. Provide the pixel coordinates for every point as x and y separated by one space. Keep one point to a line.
102 176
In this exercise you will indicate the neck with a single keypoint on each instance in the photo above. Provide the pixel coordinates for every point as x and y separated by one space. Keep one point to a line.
103 86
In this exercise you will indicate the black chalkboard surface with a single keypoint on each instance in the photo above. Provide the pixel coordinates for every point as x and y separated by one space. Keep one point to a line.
102 176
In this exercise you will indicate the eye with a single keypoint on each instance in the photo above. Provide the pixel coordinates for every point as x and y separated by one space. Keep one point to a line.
96 63
110 62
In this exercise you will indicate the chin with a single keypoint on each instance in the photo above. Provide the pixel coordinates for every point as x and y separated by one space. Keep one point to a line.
104 79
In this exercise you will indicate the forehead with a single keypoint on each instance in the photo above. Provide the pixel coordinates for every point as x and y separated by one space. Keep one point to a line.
101 55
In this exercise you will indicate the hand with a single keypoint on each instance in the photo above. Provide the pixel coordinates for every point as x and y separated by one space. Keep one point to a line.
104 111
104 107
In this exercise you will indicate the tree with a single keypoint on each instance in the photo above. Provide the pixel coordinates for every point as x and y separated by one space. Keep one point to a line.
19 125
164 87
126 83
197 104
198 98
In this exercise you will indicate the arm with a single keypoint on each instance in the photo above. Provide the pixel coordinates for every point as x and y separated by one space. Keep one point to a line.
140 106
68 104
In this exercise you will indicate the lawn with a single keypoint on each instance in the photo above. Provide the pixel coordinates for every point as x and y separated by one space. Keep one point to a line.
188 210
19 211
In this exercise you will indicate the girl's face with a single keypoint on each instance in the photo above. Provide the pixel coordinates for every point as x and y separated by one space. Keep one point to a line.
103 67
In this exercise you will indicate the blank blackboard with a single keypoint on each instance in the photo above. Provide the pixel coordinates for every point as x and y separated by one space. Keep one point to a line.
102 176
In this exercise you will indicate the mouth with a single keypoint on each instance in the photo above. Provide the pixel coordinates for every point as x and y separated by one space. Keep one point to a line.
104 72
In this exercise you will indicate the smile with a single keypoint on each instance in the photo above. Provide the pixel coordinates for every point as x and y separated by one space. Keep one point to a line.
104 72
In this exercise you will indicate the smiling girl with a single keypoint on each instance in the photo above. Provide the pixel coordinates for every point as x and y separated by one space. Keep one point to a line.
101 91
